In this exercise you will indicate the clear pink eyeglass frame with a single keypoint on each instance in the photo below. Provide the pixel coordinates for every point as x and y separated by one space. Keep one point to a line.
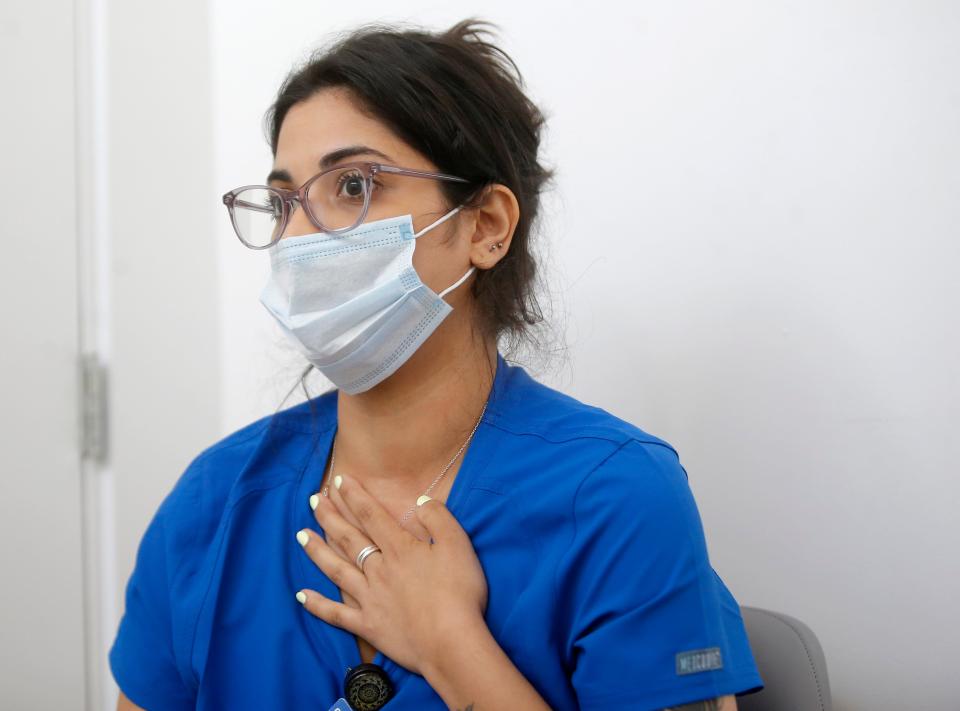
367 169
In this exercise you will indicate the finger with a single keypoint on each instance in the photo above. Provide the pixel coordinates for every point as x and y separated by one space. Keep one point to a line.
335 499
342 573
416 529
441 525
376 521
332 543
336 613
326 504
411 524
340 533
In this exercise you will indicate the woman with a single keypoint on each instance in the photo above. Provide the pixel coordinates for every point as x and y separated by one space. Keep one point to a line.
439 530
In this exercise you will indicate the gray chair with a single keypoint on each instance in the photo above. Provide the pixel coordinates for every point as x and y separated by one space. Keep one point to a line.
790 661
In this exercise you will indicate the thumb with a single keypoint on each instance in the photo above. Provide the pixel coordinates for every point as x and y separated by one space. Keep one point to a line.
437 519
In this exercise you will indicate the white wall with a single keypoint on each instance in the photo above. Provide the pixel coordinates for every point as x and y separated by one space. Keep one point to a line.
42 521
158 293
108 252
754 247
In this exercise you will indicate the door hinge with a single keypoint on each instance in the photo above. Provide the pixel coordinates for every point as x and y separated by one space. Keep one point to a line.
93 409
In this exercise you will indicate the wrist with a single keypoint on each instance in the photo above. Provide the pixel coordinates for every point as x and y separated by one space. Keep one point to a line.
472 669
466 638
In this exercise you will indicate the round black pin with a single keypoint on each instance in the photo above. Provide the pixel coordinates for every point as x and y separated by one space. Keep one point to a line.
367 687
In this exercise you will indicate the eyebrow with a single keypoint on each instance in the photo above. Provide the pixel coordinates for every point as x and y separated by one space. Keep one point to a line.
330 159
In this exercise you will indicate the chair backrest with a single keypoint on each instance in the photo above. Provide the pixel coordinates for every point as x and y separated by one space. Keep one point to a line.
790 661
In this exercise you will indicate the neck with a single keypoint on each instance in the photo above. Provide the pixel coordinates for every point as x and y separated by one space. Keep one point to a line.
400 434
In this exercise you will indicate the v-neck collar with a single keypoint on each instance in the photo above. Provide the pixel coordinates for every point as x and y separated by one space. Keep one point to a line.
325 637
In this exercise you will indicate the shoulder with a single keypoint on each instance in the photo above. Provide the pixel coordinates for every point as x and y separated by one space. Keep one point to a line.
641 484
602 470
525 406
262 454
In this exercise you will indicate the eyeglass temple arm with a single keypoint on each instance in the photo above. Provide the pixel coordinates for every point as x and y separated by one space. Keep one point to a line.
420 173
253 206
230 199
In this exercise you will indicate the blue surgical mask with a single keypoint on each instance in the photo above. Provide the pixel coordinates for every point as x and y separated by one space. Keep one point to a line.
352 302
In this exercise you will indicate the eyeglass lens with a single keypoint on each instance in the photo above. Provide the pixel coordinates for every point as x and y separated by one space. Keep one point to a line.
336 200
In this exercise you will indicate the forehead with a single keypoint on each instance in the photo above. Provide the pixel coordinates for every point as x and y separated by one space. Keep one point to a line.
327 121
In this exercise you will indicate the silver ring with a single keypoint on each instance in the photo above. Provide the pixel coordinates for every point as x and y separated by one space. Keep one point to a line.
362 555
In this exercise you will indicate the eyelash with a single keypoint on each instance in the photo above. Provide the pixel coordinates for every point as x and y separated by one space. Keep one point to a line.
376 182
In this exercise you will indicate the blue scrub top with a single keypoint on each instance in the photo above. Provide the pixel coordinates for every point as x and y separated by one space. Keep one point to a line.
600 588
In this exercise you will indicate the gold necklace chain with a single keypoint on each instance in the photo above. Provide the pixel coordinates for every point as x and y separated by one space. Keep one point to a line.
333 459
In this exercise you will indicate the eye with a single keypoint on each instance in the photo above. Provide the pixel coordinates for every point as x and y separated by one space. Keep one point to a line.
350 185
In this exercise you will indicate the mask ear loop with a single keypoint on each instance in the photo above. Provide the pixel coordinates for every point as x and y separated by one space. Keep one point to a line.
433 224
459 281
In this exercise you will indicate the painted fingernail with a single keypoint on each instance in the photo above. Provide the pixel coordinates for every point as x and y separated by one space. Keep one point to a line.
314 502
303 537
302 597
338 480
423 499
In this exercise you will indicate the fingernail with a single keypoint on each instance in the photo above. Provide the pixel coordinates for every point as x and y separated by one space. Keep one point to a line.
303 537
423 499
338 480
302 597
314 501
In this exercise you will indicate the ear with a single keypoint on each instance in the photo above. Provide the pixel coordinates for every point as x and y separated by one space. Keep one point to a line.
496 219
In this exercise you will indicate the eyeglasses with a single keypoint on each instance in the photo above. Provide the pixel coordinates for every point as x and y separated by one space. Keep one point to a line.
336 200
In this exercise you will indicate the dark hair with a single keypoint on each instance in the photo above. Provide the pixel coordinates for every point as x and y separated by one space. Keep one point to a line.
458 100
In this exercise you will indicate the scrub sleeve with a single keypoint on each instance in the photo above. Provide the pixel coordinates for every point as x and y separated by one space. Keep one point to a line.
652 624
142 658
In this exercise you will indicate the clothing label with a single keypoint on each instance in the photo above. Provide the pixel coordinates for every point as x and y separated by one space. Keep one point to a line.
340 705
699 660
